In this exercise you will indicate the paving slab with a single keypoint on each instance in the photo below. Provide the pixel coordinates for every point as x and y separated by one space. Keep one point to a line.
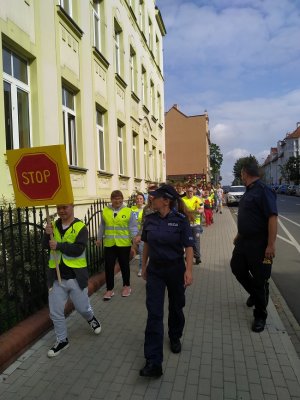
221 357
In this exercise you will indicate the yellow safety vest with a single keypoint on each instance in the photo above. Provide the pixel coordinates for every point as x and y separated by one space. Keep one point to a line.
192 205
69 237
138 212
116 231
211 198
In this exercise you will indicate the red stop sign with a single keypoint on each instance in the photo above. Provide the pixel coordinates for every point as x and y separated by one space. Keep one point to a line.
37 176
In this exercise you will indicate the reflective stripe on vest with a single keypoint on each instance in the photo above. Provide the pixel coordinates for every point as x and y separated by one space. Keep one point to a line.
116 232
69 237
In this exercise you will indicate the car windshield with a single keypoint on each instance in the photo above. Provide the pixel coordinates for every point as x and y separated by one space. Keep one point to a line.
237 189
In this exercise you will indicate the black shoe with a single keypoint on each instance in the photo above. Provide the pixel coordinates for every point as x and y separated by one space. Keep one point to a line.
175 346
258 325
57 348
151 370
95 325
198 261
250 301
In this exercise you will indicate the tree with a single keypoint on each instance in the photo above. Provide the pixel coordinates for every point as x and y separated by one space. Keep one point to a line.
216 159
237 168
291 170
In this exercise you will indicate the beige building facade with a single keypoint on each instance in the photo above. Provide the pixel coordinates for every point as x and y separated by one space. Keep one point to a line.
87 74
187 146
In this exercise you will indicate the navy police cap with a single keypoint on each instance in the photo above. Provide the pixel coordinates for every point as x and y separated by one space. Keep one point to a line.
166 191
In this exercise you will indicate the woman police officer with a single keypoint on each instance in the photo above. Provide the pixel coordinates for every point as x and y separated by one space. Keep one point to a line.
166 233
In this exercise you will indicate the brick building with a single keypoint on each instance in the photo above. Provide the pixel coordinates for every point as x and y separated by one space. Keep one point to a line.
187 146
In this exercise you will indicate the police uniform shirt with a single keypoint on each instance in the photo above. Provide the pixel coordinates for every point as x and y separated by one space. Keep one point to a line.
167 236
256 206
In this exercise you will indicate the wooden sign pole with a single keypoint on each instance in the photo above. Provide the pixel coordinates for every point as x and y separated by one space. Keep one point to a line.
55 254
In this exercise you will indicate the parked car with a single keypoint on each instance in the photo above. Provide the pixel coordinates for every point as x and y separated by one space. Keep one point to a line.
225 189
291 190
234 194
282 189
297 190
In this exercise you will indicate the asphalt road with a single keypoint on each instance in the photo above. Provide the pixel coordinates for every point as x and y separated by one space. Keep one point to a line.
286 267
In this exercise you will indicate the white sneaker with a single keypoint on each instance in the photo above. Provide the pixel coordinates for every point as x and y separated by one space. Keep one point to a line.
140 273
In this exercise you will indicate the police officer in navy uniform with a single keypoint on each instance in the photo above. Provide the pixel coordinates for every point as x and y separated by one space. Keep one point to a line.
166 234
254 249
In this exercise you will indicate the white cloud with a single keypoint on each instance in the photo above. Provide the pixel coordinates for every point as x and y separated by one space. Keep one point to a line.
237 153
240 60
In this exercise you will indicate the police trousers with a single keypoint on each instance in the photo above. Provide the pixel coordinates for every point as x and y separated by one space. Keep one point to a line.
160 276
247 264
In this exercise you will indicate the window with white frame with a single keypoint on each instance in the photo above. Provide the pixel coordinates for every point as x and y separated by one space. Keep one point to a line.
157 50
159 107
133 73
146 159
96 24
16 100
121 150
142 15
160 164
144 86
152 98
69 124
67 6
117 40
150 34
135 154
100 138
154 160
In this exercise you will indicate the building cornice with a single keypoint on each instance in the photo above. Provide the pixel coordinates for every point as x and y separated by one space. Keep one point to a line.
160 21
100 57
121 81
69 21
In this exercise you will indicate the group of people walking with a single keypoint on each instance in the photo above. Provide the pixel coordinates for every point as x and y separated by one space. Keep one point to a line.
165 233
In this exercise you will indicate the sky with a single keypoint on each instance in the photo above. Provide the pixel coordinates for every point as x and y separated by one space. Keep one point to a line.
240 61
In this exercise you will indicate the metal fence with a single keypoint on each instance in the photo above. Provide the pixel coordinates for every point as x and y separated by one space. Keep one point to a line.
23 262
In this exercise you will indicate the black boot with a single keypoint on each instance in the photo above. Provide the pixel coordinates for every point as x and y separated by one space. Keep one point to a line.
250 301
151 370
175 345
258 325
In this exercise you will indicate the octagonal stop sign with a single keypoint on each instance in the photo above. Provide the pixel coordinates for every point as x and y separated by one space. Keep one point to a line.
38 176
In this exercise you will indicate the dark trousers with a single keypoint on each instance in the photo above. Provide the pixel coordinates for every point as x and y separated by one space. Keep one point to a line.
196 230
248 267
111 254
159 277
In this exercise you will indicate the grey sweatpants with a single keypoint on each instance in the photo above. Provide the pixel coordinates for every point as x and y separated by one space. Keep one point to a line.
58 296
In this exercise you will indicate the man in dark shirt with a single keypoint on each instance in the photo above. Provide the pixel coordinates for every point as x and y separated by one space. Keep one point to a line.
254 250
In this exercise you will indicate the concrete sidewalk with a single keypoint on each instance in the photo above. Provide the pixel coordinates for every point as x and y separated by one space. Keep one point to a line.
221 357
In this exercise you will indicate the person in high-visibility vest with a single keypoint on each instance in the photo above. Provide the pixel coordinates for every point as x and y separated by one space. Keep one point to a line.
67 249
137 210
195 205
117 229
